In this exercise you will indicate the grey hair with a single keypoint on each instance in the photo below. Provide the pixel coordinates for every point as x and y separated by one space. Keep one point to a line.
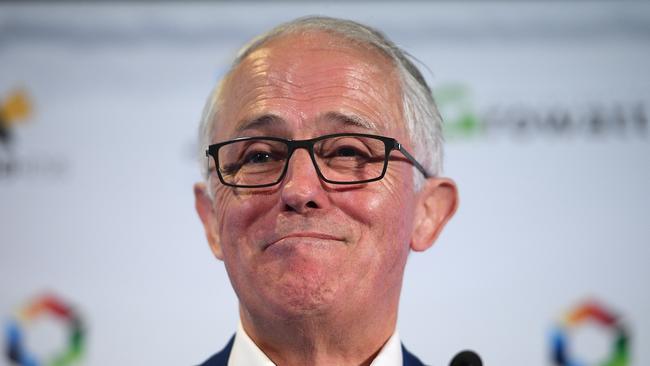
423 121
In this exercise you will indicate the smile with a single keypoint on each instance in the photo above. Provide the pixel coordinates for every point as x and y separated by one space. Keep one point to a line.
303 237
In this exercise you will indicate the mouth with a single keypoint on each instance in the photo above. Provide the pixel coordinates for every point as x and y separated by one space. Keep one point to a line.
303 237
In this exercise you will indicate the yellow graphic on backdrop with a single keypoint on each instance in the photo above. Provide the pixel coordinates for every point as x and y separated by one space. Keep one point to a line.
14 108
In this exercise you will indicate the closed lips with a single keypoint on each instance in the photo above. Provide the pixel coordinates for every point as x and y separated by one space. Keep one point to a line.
306 235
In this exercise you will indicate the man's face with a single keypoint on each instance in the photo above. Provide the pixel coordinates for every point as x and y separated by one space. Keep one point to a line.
305 246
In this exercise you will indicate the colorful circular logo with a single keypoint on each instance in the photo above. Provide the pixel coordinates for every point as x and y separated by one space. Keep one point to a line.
590 312
16 350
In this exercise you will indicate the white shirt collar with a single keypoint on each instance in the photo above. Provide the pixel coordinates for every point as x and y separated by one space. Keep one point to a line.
246 353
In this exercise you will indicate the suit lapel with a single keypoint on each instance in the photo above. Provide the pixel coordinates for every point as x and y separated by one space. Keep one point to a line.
408 359
221 358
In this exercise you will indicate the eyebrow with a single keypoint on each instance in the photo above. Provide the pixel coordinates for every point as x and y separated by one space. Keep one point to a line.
350 120
259 122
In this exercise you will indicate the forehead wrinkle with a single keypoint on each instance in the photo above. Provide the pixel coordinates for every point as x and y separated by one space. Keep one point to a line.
354 80
352 83
344 111
308 91
349 76
268 85
254 77
262 93
271 60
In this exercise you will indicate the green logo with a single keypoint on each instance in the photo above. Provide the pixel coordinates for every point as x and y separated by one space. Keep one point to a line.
457 110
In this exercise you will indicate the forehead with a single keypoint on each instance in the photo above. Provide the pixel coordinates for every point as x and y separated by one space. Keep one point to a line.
301 79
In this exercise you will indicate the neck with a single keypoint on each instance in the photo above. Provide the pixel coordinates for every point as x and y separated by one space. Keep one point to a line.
323 339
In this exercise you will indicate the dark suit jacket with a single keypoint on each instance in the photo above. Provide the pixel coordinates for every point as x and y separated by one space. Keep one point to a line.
221 358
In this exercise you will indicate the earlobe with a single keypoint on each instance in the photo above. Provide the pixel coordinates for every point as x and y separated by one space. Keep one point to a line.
204 207
436 203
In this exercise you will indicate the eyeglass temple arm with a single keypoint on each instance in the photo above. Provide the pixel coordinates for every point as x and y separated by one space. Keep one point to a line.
401 149
207 162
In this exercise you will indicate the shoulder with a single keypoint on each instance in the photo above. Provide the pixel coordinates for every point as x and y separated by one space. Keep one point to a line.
220 358
409 359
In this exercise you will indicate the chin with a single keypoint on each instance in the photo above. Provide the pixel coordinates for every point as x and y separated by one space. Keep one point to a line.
304 294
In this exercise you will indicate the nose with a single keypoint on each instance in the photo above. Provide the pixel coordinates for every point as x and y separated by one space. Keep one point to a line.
302 190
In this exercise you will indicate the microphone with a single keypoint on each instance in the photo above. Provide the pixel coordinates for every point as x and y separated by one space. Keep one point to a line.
466 358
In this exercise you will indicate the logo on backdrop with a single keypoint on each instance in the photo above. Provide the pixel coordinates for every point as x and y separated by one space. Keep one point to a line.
50 308
518 120
15 109
608 323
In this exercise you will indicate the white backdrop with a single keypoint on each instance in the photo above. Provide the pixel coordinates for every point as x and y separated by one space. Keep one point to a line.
98 208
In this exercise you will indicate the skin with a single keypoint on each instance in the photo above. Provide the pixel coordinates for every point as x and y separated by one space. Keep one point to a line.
318 268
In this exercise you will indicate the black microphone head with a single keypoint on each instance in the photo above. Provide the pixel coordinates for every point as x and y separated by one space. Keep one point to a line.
466 358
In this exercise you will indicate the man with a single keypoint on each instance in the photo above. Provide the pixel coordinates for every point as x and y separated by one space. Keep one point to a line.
324 149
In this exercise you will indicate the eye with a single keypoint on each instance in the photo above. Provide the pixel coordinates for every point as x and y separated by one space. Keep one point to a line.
342 147
250 156
346 151
258 157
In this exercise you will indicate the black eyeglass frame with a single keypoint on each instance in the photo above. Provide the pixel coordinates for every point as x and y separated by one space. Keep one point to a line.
390 144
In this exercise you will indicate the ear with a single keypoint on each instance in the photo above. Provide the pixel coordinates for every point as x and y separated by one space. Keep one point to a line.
204 208
436 204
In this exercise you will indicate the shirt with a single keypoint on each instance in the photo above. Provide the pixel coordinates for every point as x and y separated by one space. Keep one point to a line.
246 353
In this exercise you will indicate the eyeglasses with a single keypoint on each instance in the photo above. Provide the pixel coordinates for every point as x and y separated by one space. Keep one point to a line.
342 158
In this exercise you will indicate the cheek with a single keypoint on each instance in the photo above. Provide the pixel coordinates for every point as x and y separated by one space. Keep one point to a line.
239 214
385 213
385 226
